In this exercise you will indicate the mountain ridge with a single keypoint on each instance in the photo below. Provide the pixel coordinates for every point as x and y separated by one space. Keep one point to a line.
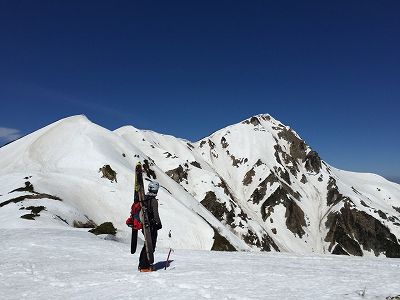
262 186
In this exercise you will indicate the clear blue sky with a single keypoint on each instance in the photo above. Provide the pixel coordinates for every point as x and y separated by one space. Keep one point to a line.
329 69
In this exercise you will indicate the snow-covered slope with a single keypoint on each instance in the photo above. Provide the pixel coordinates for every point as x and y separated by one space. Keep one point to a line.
59 168
262 181
72 264
253 185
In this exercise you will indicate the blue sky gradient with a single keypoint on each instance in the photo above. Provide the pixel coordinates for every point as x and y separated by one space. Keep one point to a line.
330 70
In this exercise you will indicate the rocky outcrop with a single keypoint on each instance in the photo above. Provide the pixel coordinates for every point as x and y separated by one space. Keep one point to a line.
313 162
178 174
217 208
334 196
266 243
221 243
351 231
108 172
295 220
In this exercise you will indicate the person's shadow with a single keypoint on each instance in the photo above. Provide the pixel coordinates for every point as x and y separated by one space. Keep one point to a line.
162 265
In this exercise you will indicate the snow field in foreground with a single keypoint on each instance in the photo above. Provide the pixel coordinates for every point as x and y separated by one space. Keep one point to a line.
45 263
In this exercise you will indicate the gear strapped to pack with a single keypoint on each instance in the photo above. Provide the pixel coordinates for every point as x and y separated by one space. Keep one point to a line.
134 220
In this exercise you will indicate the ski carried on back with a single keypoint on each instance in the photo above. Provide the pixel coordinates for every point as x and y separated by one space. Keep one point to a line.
144 217
139 219
134 220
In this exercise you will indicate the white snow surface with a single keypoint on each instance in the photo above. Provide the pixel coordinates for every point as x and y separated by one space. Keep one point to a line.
56 263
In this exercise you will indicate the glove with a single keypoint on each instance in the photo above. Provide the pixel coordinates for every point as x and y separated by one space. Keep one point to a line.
129 222
158 226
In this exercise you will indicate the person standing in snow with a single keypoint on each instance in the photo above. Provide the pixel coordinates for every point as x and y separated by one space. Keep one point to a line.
151 203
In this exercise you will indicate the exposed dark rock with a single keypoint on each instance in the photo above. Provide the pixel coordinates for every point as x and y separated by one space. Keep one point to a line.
290 162
190 145
393 219
123 154
235 161
196 164
223 212
294 214
215 207
267 242
88 224
28 217
221 243
295 218
211 144
303 179
243 216
253 120
276 154
225 187
351 228
334 197
396 209
27 188
274 230
108 173
292 170
321 178
30 197
224 143
178 175
267 118
65 221
202 143
149 172
35 210
312 162
284 174
338 250
104 228
364 204
248 178
297 146
260 192
259 163
355 190
264 244
382 214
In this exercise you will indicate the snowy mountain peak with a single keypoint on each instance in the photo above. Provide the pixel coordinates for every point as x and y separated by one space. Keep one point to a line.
252 185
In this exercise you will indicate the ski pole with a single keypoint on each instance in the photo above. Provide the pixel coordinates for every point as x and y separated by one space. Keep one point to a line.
170 249
167 262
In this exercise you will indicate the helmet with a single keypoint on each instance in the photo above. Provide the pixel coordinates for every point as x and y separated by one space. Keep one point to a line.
153 187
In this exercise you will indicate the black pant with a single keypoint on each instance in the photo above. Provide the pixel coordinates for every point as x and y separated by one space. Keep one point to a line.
143 260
